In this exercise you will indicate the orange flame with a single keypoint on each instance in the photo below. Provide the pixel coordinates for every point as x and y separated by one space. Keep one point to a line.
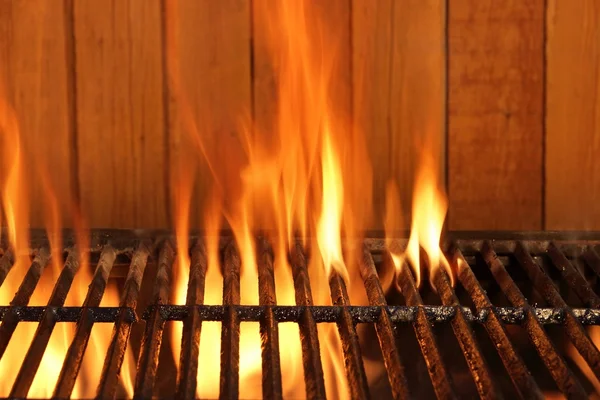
287 185
14 191
428 215
331 214
14 201
15 205
292 183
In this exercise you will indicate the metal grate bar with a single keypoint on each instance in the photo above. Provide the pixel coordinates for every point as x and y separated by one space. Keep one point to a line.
573 278
360 314
442 384
44 330
11 318
109 378
466 339
269 333
6 263
65 314
592 259
152 339
74 357
520 375
384 327
546 288
562 375
384 317
230 328
192 325
355 370
309 339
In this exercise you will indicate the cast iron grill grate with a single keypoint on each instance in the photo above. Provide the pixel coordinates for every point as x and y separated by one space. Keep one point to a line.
556 268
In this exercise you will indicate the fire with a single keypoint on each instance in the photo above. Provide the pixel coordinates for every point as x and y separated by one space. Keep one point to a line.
304 174
428 215
16 208
289 186
331 214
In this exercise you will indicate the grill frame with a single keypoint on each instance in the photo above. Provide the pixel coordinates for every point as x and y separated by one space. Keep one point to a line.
142 245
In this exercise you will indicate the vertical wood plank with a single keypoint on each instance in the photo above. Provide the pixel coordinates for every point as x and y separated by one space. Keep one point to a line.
399 89
120 119
209 63
34 73
573 115
496 97
372 54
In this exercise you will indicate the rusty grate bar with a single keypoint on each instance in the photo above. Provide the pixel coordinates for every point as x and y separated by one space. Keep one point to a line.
556 365
192 324
355 370
6 263
382 315
592 259
546 287
360 314
124 318
309 339
436 367
271 377
152 339
36 350
462 330
573 278
230 328
384 327
74 357
11 317
520 375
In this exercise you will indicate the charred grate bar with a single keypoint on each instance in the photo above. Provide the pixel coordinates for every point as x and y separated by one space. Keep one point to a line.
554 266
359 314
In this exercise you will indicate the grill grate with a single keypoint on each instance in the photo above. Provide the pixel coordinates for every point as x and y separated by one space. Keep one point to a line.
536 257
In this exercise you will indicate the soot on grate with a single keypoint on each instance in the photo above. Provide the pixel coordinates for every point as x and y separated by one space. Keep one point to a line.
519 304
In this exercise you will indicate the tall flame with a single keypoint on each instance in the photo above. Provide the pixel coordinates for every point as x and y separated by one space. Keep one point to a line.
291 184
428 215
329 225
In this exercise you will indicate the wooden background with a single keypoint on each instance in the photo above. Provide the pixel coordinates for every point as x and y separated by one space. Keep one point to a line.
512 87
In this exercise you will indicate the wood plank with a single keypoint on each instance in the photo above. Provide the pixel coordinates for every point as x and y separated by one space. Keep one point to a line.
573 115
496 95
399 93
372 41
120 119
209 63
34 71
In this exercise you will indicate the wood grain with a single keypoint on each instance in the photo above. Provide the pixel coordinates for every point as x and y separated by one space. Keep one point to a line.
34 72
496 97
372 54
573 115
399 92
120 119
209 63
